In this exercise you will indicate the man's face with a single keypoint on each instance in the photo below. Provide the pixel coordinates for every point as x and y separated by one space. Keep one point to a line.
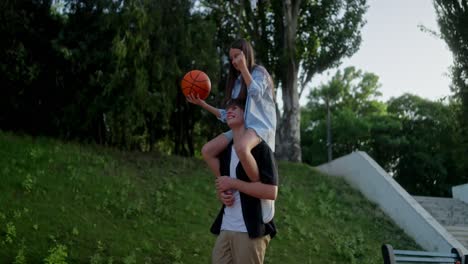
234 116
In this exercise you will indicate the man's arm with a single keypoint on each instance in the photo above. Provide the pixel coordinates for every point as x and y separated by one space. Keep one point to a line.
267 187
256 189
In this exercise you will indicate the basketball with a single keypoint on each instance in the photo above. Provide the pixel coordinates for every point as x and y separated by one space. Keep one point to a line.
196 82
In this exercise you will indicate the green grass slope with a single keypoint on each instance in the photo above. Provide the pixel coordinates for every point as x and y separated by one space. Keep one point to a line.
70 203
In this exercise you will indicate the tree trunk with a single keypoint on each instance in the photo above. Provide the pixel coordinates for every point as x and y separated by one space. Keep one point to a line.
288 140
182 124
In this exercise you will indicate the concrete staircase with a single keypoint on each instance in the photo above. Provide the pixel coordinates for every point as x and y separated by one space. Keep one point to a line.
451 213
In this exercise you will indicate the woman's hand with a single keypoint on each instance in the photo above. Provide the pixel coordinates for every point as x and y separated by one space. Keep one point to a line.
239 62
195 99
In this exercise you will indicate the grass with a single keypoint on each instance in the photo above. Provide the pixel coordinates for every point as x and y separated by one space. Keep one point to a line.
72 203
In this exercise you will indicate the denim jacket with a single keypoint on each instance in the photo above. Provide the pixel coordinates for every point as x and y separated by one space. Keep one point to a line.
260 111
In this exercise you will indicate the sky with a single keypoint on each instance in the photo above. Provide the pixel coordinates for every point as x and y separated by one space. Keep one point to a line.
406 59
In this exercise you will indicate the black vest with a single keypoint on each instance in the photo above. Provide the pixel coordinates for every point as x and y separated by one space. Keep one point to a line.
251 206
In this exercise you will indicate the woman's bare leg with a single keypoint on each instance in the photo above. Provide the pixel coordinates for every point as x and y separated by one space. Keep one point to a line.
243 149
211 150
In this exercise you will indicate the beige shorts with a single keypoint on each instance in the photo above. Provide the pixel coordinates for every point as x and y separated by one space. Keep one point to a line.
238 248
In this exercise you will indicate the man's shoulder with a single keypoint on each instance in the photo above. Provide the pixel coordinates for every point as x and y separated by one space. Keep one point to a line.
262 147
266 163
263 152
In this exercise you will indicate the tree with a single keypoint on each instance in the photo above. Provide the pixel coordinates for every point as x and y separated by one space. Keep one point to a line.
190 44
151 53
452 17
84 42
30 100
106 71
352 98
428 157
416 140
295 40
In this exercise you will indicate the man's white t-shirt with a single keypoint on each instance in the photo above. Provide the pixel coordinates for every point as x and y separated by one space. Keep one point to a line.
233 219
268 210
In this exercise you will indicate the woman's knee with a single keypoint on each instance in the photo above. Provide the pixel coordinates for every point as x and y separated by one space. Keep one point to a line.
207 151
214 147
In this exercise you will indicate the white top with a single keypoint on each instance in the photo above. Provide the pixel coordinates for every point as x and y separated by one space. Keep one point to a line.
233 219
268 210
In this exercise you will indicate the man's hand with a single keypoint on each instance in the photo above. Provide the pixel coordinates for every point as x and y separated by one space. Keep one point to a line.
226 198
223 183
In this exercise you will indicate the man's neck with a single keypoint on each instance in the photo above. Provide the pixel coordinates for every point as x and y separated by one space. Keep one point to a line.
237 133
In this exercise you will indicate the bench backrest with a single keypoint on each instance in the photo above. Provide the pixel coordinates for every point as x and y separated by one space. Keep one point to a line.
392 256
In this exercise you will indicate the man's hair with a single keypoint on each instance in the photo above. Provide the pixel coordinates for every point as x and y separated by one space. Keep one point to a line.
235 102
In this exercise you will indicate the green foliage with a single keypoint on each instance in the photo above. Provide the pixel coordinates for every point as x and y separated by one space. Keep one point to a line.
287 36
322 38
452 17
131 259
78 207
105 71
416 140
28 64
20 257
352 97
189 44
57 255
427 158
385 139
152 50
28 183
10 234
127 89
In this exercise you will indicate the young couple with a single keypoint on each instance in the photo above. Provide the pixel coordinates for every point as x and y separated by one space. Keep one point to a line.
243 162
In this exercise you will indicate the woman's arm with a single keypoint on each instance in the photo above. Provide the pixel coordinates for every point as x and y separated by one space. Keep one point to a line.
215 111
246 76
195 99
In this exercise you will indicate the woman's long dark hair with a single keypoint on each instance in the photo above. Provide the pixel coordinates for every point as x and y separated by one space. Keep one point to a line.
247 49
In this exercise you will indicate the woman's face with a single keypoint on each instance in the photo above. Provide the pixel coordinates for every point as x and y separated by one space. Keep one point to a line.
233 53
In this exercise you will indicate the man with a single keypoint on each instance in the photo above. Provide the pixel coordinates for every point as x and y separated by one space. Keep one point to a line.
242 234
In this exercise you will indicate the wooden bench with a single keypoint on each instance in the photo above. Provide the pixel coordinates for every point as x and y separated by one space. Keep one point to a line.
393 256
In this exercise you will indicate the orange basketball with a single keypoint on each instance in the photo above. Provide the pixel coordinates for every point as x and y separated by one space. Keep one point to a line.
196 82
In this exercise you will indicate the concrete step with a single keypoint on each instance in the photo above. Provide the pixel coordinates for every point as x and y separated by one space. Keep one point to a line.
447 211
440 200
446 222
450 221
457 228
465 243
460 233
